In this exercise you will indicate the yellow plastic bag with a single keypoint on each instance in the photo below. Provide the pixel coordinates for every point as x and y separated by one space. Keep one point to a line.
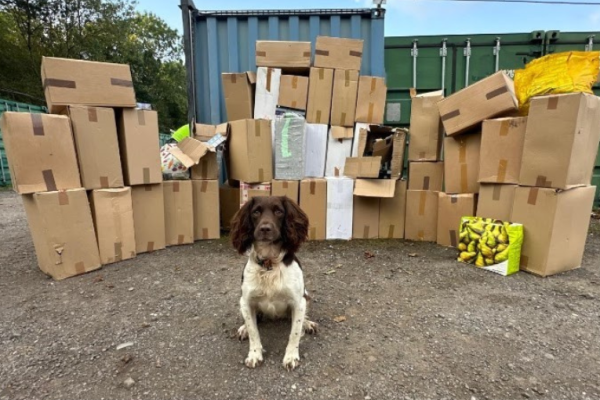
569 72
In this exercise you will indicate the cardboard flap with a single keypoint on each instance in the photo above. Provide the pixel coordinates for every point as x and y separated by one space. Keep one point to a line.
437 93
251 77
189 151
204 132
362 167
341 132
375 187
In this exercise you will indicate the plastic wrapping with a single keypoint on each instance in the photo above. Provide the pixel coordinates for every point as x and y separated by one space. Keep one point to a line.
289 147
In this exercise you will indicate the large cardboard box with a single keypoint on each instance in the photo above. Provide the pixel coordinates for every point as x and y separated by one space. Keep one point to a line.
97 144
148 217
238 90
421 215
501 150
293 91
206 209
426 175
40 151
338 53
283 54
289 148
392 213
343 100
290 189
113 219
250 190
366 218
339 208
267 92
496 201
140 148
370 104
179 212
561 141
426 129
451 209
315 150
461 163
250 151
490 97
208 166
320 89
69 82
313 201
63 232
338 150
229 204
555 227
375 187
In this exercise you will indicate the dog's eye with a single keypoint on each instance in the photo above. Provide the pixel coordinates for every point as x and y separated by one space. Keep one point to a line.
278 213
256 213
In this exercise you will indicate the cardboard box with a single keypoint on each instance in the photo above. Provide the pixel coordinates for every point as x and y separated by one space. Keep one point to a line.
148 217
342 132
313 201
315 150
112 211
338 53
293 91
140 148
267 92
496 201
289 148
206 209
97 144
451 209
339 208
461 163
366 218
490 97
179 212
320 90
501 150
343 100
561 141
426 129
69 82
392 213
205 133
250 190
282 54
421 215
375 187
63 232
370 104
338 150
426 176
250 151
290 189
40 152
238 90
229 204
208 166
555 227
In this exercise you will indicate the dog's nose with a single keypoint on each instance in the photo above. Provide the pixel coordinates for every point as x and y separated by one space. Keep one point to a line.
265 228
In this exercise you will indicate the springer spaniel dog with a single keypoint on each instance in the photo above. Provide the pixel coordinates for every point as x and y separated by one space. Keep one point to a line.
270 230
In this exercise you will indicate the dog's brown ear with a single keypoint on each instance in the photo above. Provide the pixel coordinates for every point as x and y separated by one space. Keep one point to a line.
295 226
242 228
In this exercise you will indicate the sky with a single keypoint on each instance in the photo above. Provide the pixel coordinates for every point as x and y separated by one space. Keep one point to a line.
423 17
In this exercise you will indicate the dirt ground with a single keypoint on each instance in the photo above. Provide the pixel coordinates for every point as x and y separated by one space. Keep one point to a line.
418 326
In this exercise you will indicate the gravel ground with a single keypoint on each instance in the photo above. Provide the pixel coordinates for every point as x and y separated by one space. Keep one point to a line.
418 326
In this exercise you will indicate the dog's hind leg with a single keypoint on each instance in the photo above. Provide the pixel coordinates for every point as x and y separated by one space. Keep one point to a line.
310 327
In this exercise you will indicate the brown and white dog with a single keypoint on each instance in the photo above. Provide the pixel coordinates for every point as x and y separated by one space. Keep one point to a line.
270 230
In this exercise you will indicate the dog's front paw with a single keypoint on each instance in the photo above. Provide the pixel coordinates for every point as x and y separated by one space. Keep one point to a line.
291 360
254 358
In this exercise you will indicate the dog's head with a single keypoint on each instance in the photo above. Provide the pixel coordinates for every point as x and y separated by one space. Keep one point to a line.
269 220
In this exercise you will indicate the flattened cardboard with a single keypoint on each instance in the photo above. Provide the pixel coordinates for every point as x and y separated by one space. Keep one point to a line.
502 150
343 100
290 189
293 91
320 90
313 201
250 190
112 211
561 141
238 90
362 167
392 213
339 208
496 201
267 92
421 215
315 150
337 152
426 176
250 151
338 53
555 226
375 187
491 97
366 218
140 148
69 82
426 129
40 151
289 147
179 212
370 104
283 54
206 209
229 204
451 209
63 232
461 163
148 217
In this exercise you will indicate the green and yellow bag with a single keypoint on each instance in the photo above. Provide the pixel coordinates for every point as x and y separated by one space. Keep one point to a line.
491 244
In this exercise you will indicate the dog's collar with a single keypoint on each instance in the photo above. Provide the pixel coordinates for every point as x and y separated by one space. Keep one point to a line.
266 263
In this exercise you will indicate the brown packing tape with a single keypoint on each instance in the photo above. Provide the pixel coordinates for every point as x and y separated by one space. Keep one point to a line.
294 104
347 78
146 173
552 103
121 82
63 198
421 235
453 241
413 92
524 261
175 187
92 114
502 164
284 184
422 203
354 53
180 239
256 128
366 232
141 117
269 76
321 74
204 233
118 251
306 54
453 199
61 83
49 180
462 152
533 195
203 168
38 124
150 247
318 116
104 182
203 186
313 187
370 112
313 233
391 231
261 53
373 85
233 78
295 82
504 127
148 188
421 154
464 178
496 92
324 53
496 192
343 119
542 181
336 171
426 182
450 115
261 175
80 267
